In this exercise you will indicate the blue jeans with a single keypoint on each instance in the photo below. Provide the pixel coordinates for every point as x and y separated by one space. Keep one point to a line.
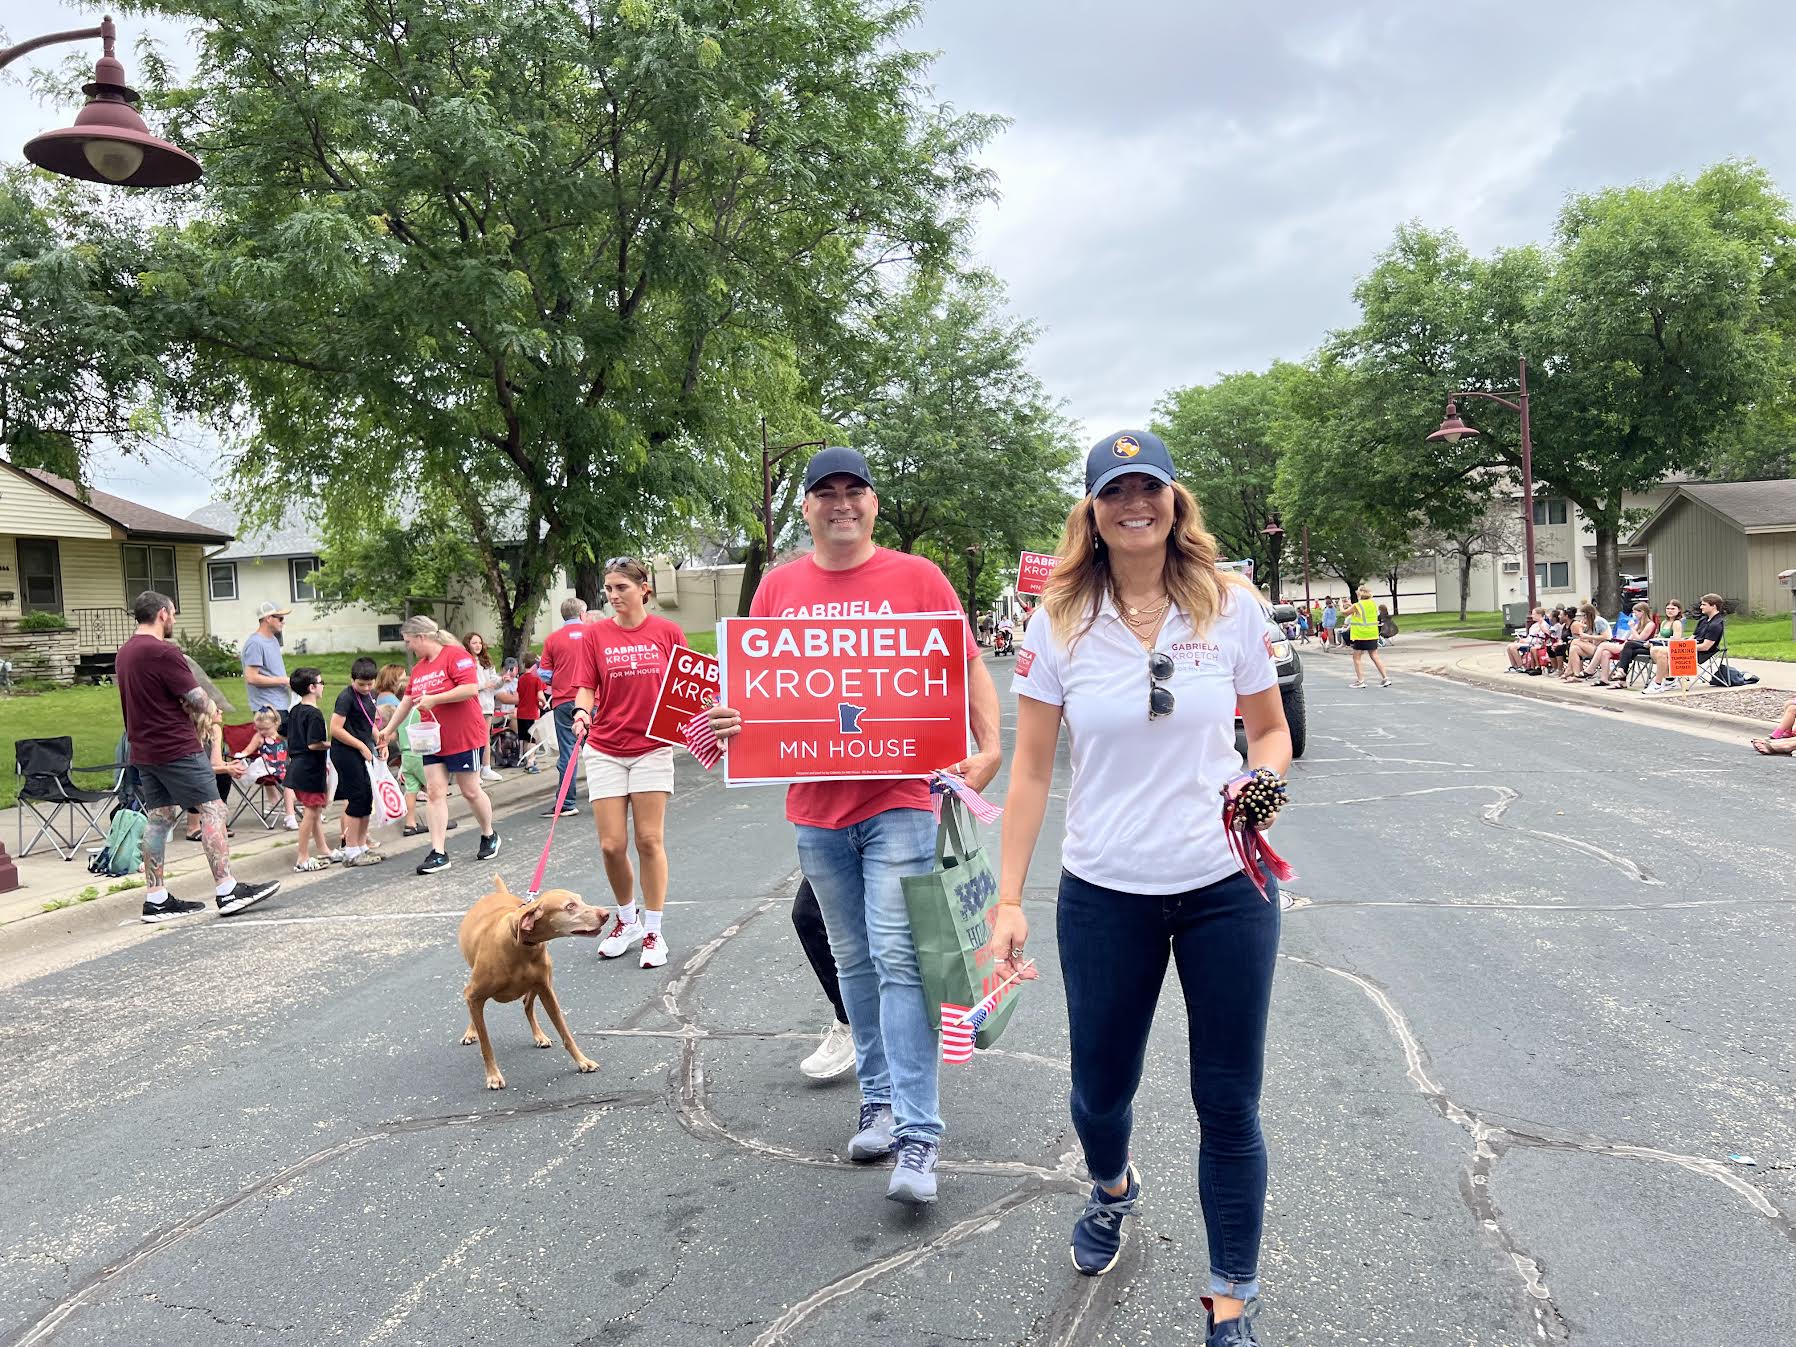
1113 953
564 751
855 872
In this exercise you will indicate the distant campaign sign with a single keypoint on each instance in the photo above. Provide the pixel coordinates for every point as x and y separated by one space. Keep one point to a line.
1032 572
688 687
827 697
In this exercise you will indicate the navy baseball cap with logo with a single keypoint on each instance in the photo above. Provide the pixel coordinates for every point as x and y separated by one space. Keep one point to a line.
835 459
1125 452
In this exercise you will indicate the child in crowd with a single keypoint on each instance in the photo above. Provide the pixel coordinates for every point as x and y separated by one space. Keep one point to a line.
530 708
308 747
269 749
352 728
407 767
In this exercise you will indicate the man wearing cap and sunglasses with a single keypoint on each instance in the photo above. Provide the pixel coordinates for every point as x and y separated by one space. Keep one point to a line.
857 839
1146 651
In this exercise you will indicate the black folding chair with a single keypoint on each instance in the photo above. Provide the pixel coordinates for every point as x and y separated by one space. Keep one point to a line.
47 792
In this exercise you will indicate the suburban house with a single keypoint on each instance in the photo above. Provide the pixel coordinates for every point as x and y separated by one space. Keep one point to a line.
277 566
1564 556
1729 538
87 555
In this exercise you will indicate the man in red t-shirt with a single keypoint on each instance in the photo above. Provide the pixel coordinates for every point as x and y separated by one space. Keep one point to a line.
445 689
565 658
167 716
857 839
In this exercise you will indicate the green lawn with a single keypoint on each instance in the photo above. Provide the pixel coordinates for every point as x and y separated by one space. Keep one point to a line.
1478 626
92 715
1761 638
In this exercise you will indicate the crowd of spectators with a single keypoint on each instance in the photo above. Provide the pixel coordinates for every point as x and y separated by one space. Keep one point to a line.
1580 645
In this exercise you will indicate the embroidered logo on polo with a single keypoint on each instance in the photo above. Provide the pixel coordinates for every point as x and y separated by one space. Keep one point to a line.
1126 446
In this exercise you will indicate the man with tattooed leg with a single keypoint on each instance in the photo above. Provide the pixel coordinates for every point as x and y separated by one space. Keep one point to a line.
167 715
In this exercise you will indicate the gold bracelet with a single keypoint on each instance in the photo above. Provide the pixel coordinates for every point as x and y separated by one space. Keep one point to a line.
1010 902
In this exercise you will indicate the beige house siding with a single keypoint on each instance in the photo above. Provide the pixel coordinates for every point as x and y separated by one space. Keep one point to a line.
1692 550
28 510
1766 555
265 580
93 576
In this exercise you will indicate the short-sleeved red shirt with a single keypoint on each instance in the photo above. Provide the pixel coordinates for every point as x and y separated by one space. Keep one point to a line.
887 582
564 658
530 696
463 725
624 669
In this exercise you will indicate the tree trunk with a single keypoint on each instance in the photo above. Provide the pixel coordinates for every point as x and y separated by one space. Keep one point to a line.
1608 568
754 566
1465 582
1392 577
589 583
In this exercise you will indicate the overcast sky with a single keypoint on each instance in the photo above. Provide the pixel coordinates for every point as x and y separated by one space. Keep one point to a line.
1192 186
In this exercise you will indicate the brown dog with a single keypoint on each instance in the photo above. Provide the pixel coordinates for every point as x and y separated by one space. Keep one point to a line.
502 938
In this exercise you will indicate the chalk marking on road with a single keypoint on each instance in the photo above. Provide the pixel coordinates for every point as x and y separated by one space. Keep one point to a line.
1493 815
986 1218
1492 1140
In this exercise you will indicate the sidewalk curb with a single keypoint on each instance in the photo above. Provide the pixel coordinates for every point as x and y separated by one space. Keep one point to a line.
250 861
1639 708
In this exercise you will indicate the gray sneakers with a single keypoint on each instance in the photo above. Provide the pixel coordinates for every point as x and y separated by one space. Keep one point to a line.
874 1140
913 1181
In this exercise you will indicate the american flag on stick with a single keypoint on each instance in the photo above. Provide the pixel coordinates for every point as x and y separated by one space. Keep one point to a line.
957 1035
699 738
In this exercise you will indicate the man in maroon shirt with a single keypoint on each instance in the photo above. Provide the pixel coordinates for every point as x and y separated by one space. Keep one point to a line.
564 655
168 721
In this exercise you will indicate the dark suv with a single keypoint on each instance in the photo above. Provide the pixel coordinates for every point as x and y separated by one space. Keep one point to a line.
1290 680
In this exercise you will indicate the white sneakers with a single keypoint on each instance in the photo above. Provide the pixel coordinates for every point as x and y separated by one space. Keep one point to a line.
488 774
833 1056
654 950
620 937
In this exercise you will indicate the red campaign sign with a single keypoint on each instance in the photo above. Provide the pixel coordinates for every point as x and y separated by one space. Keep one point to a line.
1032 572
688 687
829 697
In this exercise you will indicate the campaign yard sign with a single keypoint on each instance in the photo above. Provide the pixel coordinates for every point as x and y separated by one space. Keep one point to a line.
1032 572
688 687
827 697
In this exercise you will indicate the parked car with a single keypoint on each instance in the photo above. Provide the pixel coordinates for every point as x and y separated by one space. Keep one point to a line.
1633 588
1290 680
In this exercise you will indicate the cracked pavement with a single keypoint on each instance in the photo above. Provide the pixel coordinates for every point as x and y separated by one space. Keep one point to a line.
1525 1012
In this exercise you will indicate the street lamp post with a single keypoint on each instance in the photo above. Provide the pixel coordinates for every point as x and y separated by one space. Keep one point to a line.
1274 534
108 142
1453 430
770 457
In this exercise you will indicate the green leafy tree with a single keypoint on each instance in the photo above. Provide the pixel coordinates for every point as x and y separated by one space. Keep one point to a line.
544 257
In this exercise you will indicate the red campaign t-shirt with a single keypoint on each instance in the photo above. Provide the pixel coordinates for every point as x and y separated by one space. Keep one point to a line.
624 669
566 657
887 582
463 725
530 696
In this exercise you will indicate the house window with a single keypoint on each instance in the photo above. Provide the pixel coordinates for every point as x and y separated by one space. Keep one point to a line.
300 571
40 575
221 579
1550 510
1552 574
388 631
149 567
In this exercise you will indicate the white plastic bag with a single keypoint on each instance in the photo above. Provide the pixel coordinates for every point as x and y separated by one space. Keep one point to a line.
389 799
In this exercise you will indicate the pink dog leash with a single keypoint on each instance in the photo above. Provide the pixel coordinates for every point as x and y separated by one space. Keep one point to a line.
567 780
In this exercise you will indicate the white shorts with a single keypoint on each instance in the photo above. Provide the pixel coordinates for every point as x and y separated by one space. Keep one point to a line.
607 777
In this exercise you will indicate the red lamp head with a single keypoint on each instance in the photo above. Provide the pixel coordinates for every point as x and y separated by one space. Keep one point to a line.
1453 430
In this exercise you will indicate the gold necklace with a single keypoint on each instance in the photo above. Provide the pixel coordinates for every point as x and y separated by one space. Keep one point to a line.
1146 611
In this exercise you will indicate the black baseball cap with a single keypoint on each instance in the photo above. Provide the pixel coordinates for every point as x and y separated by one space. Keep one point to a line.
1125 452
828 462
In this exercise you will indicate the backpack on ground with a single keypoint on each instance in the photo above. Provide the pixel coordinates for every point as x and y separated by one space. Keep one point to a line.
508 749
1727 676
123 852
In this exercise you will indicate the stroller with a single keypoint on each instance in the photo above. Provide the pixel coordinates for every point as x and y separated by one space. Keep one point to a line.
1003 643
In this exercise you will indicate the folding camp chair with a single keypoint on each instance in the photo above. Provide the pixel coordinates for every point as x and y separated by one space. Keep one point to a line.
48 791
250 791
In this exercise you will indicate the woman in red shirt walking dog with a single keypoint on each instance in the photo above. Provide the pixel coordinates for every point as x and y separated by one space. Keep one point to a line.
628 775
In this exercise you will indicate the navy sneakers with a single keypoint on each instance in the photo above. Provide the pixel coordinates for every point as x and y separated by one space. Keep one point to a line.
1098 1234
1231 1332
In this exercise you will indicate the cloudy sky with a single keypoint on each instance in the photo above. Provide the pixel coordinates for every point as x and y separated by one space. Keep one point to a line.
1192 186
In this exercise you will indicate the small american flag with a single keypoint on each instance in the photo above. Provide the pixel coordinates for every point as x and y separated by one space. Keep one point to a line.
982 809
700 739
957 1035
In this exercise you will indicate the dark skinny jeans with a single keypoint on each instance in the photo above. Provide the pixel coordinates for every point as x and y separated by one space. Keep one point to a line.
1113 953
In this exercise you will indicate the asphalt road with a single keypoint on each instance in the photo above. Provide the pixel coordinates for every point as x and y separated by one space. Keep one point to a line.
1536 989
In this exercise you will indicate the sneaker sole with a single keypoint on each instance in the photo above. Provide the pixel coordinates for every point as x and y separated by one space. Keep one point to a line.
156 919
911 1197
862 1156
435 869
237 905
830 1074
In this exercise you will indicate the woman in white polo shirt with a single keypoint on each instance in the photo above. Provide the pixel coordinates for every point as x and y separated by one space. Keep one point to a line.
1145 653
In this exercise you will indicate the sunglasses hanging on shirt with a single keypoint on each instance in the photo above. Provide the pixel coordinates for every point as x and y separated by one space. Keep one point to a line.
1159 671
